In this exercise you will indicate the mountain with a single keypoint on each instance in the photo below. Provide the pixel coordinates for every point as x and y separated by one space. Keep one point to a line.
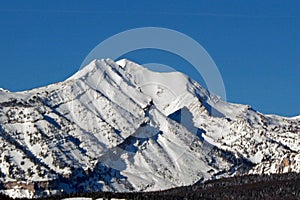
116 126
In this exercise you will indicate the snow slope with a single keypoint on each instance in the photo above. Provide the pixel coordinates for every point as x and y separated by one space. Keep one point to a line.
116 126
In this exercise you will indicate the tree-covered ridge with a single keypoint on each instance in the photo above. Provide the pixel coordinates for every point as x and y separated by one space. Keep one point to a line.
274 186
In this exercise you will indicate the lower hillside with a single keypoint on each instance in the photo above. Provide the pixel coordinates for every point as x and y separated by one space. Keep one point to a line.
275 186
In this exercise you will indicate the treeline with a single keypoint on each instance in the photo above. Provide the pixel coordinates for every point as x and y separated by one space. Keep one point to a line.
275 186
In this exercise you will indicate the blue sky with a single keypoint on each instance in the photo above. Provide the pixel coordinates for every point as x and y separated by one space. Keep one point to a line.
255 44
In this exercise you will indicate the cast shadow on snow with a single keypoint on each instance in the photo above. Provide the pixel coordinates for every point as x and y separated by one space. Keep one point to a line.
131 145
116 159
212 111
185 117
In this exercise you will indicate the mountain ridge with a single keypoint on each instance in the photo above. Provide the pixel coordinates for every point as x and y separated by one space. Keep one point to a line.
116 126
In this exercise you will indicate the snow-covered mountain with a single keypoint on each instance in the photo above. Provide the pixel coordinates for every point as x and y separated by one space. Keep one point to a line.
116 126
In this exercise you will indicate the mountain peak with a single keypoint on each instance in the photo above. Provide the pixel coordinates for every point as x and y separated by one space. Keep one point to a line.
123 62
117 126
93 65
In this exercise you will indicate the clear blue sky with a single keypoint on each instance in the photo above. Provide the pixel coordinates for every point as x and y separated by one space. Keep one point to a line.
255 44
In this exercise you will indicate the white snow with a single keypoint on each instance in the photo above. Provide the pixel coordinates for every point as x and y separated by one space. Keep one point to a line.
154 130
